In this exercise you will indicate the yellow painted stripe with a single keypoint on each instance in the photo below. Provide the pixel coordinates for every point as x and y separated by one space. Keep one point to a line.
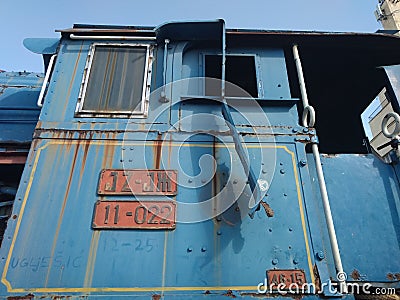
303 222
19 220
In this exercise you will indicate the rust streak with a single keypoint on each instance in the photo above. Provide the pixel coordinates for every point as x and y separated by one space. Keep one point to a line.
157 148
268 210
26 297
230 294
71 83
60 217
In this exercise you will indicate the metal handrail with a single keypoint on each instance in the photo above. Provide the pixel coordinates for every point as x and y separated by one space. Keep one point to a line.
46 79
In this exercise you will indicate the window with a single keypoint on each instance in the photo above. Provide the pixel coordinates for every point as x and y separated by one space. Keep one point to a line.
117 81
240 70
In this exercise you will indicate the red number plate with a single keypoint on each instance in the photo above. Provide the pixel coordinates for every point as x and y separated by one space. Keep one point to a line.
134 215
282 279
137 182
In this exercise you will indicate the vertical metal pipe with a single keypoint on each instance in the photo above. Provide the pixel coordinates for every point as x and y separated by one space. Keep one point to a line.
163 92
223 62
304 96
321 180
166 42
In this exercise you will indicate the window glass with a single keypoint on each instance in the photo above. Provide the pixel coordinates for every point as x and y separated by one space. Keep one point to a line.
116 80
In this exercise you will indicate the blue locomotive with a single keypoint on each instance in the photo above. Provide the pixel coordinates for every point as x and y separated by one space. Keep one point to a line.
192 161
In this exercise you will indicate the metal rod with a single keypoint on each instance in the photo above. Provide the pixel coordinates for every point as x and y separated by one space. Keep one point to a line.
165 61
110 37
299 68
46 79
163 92
223 63
321 180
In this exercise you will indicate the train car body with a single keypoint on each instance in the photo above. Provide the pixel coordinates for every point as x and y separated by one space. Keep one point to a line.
175 163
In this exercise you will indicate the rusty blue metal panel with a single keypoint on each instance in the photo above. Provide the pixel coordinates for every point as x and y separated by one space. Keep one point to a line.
46 253
19 112
364 196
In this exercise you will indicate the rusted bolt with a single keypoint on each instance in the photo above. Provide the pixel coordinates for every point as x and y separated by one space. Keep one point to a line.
320 255
275 261
189 249
390 276
303 163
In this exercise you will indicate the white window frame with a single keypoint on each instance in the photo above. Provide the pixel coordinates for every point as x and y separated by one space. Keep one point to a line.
80 112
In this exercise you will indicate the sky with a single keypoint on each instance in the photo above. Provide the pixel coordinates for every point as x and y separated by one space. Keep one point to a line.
26 18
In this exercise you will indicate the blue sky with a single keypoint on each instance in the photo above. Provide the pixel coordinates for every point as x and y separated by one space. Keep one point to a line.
22 19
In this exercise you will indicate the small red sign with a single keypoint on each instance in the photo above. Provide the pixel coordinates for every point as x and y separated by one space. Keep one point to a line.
285 279
137 182
134 215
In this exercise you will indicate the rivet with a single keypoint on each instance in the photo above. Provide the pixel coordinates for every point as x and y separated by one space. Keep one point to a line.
189 249
190 180
219 232
282 171
235 181
295 261
219 219
305 130
275 261
270 229
303 163
203 180
203 249
284 194
290 229
294 130
264 171
320 255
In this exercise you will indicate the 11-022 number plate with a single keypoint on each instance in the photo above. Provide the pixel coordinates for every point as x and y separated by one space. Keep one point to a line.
134 215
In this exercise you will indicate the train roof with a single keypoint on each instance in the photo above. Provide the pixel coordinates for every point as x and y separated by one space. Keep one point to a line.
379 48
